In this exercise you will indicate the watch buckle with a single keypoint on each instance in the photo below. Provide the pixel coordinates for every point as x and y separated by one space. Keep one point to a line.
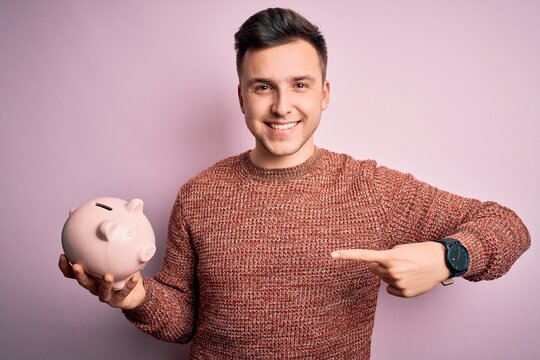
447 282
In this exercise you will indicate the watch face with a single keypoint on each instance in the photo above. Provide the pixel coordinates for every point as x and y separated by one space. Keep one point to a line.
458 257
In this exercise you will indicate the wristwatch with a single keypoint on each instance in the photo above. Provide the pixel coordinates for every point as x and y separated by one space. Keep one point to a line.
456 257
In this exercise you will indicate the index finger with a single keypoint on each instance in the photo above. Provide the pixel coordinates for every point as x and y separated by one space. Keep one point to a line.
378 256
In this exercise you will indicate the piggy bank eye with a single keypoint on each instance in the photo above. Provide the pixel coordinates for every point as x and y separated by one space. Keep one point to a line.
104 206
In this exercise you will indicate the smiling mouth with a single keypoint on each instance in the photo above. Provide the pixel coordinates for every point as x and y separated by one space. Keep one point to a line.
282 126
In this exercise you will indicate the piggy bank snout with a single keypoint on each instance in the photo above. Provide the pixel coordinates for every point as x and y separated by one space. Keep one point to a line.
147 252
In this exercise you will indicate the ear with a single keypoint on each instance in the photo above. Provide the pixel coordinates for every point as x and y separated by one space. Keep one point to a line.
325 100
135 206
71 211
240 99
106 230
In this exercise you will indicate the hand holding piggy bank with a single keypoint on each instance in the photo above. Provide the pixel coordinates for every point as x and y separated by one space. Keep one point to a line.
109 236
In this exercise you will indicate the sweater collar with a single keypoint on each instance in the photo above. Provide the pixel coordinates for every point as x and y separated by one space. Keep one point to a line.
280 174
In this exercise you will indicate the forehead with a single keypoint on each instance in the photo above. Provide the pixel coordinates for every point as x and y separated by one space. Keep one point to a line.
296 58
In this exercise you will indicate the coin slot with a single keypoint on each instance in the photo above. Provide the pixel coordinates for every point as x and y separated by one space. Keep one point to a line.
104 206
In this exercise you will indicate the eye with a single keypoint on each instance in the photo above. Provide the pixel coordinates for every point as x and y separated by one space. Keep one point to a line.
301 85
262 88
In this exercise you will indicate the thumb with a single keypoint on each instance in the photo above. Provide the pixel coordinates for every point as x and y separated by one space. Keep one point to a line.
379 256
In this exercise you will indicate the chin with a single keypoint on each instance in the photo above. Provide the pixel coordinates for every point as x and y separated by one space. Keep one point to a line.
283 150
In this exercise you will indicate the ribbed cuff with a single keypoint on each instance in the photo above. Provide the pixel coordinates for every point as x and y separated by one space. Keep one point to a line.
478 259
143 313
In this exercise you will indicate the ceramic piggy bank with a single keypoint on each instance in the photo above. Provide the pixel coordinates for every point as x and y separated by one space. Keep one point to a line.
109 235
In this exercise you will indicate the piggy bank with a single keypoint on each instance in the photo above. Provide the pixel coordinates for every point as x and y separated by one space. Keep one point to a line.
109 235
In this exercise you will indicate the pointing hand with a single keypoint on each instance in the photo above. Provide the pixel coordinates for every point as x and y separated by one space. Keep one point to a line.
409 270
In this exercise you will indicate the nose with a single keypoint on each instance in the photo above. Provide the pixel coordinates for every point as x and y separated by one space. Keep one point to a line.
282 105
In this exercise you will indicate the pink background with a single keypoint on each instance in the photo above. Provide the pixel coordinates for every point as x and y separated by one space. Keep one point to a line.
132 98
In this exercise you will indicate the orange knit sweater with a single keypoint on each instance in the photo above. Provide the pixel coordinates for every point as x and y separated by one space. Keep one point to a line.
248 273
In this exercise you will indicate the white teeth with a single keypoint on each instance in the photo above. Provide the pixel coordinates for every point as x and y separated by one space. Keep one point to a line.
282 126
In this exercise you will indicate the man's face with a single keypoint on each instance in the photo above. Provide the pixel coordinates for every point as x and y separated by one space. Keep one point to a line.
282 95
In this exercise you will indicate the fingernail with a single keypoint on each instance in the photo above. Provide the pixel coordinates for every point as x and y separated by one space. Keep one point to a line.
335 255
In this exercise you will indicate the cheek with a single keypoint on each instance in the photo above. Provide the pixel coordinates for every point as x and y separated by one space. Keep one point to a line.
254 108
250 115
311 105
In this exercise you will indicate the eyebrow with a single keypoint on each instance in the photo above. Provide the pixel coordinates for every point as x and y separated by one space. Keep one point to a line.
291 79
303 77
259 80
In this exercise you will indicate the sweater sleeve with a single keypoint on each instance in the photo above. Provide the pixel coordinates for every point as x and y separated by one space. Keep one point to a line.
168 309
415 211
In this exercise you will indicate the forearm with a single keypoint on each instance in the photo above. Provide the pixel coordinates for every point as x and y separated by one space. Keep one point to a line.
417 212
168 309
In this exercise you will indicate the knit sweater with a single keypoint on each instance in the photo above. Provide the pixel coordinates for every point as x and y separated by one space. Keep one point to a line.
248 273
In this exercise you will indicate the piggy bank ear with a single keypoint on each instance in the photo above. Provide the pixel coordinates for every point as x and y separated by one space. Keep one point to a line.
106 230
135 206
71 211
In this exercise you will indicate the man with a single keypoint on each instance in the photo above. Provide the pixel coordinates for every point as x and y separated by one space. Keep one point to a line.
259 250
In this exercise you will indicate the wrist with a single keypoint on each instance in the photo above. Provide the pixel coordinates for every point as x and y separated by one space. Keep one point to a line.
136 296
445 272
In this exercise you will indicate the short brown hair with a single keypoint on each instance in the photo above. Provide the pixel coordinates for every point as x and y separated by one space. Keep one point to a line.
277 26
